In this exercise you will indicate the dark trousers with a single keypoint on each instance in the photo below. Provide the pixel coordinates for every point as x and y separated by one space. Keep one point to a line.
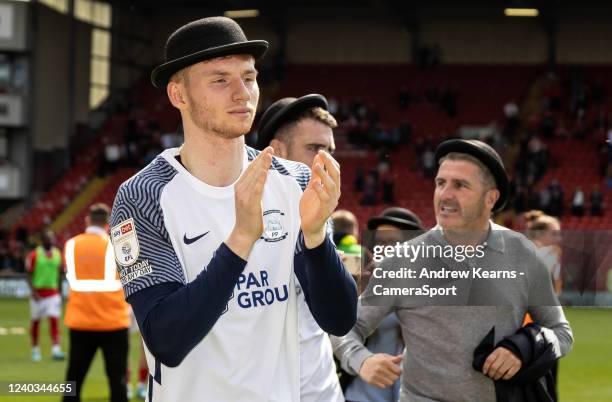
83 347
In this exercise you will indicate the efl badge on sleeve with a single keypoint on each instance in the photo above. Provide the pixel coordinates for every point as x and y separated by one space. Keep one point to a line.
125 242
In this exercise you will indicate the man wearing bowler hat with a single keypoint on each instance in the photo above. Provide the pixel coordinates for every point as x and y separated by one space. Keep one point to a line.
443 339
297 129
210 238
394 224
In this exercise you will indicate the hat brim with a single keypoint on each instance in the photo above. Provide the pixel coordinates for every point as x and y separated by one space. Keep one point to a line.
497 169
162 73
402 224
268 129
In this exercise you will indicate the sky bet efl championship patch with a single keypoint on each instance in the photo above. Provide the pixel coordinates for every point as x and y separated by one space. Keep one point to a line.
127 250
125 242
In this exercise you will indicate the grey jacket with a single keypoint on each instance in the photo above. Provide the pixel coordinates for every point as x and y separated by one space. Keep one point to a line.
440 339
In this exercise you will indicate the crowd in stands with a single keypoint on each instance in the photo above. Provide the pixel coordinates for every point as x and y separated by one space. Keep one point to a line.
572 100
141 142
573 107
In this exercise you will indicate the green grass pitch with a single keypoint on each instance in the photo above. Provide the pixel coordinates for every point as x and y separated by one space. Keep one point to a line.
15 363
584 375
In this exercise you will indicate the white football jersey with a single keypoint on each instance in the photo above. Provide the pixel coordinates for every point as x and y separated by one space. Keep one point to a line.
166 225
318 377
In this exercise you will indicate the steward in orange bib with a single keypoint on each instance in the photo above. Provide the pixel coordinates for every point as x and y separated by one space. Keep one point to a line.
97 313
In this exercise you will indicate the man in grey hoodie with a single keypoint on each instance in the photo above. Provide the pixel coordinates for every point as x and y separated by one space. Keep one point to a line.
441 335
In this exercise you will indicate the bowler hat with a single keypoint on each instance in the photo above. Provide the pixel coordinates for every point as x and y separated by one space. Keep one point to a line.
282 111
204 39
402 218
488 156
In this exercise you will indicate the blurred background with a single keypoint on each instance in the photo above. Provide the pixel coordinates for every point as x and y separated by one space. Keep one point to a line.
78 116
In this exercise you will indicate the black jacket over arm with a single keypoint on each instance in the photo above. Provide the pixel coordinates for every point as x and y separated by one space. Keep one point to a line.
534 381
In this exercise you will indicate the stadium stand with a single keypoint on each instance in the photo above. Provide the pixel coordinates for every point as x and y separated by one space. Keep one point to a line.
481 92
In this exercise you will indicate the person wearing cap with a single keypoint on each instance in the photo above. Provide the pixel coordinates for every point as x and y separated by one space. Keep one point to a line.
297 129
378 378
459 348
211 237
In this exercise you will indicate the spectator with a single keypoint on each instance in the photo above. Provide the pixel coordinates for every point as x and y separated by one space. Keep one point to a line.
370 190
520 199
544 231
428 161
345 224
448 102
379 136
533 198
545 200
537 158
332 106
552 92
580 95
112 157
383 165
419 148
578 202
388 186
596 201
511 112
359 179
580 125
556 198
130 139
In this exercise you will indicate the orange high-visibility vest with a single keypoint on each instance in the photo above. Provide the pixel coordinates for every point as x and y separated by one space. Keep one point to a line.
96 301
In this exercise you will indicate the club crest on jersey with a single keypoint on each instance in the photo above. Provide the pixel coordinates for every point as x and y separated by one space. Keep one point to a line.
125 242
273 226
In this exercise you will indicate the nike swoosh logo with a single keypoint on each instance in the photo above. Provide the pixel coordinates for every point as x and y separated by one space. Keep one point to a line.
188 241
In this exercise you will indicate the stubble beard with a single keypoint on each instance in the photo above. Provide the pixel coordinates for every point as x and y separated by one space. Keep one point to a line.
199 114
473 214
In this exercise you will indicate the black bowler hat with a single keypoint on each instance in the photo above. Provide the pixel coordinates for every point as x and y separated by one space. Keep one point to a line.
204 39
282 111
488 156
402 218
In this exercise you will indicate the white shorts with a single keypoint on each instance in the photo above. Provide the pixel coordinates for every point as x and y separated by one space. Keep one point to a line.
46 307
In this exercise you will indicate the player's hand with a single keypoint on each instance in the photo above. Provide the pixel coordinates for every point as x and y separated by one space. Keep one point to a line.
35 295
381 369
320 198
248 192
501 363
